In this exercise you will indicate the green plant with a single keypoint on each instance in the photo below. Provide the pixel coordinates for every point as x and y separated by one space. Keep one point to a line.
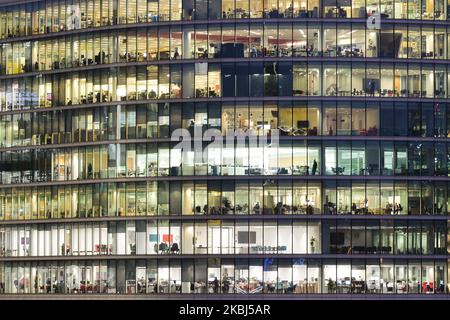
331 285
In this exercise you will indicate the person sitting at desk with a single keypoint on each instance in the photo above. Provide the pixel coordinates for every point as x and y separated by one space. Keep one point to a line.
256 208
275 50
253 52
225 285
388 209
354 208
279 208
226 208
329 13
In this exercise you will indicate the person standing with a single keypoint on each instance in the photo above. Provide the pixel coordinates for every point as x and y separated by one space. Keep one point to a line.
372 87
216 285
176 54
314 167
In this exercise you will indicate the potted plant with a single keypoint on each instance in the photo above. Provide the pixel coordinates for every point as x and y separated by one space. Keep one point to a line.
312 243
331 286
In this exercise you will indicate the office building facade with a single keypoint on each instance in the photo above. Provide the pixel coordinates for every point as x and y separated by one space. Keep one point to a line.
180 148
